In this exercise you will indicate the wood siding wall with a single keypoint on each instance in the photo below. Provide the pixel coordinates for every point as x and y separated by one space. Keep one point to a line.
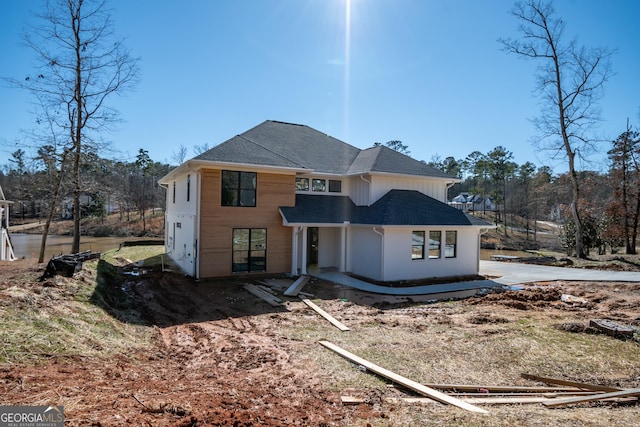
217 223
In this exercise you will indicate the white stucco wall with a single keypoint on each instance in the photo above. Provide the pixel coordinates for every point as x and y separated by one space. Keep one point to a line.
382 184
365 252
399 265
329 250
181 221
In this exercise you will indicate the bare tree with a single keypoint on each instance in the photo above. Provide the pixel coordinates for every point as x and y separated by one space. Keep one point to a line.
571 81
180 155
81 64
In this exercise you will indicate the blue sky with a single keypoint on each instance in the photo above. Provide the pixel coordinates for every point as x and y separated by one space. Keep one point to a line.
429 73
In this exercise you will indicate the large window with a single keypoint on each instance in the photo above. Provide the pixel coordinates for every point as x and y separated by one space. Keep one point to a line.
249 250
238 188
417 245
435 238
451 243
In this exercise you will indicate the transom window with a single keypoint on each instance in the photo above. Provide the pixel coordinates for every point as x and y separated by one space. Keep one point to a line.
417 245
319 184
302 184
335 186
239 188
249 250
435 239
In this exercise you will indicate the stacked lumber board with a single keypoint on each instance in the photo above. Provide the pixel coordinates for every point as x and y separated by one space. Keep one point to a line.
262 293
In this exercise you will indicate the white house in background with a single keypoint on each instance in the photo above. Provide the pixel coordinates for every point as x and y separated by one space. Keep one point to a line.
282 197
473 203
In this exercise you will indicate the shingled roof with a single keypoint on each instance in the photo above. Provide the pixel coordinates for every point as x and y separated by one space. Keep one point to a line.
281 144
397 207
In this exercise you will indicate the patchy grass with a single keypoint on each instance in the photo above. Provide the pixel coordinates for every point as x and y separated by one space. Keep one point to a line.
58 318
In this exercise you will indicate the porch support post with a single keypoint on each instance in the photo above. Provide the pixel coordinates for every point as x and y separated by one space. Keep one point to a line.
303 266
343 247
294 250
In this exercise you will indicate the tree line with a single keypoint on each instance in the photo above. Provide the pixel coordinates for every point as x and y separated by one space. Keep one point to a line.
609 207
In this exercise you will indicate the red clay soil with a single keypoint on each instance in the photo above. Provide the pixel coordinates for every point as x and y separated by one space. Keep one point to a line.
212 362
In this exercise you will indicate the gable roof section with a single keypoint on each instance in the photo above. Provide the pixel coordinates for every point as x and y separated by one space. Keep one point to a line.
241 150
273 143
382 159
280 144
397 207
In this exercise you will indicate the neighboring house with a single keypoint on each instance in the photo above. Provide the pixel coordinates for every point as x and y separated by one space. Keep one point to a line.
282 197
472 203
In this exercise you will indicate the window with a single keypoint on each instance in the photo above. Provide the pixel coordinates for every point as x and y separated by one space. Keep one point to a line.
238 188
249 250
174 191
335 186
417 245
435 238
319 185
451 242
302 184
188 187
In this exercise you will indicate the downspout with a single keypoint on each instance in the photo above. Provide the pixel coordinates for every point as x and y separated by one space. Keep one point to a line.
368 190
382 252
446 191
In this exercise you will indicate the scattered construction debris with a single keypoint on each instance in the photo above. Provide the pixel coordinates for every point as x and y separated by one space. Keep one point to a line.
593 398
612 328
263 294
324 314
568 383
571 393
67 265
405 382
297 286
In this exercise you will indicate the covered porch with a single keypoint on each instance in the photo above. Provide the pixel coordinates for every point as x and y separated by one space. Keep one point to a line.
317 247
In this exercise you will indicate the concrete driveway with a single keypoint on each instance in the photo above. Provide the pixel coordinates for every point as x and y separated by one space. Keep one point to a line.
511 273
502 273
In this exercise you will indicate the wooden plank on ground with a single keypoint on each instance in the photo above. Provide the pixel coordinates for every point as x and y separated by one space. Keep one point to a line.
324 314
501 389
270 299
297 286
594 387
351 400
485 400
410 384
601 396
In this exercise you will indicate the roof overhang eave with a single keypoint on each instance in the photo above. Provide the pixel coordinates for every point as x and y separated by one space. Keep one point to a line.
196 165
407 175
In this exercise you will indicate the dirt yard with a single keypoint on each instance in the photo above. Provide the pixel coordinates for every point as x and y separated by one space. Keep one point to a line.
142 347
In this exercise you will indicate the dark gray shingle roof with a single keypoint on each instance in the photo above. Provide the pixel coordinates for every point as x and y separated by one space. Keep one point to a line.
384 159
275 143
280 144
397 207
